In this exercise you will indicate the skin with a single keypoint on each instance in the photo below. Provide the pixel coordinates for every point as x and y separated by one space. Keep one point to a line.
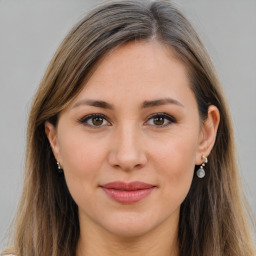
130 145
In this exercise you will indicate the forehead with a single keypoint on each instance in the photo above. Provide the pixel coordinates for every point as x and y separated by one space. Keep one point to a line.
136 70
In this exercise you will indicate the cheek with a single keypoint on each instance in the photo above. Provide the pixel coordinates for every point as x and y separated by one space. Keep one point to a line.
81 160
177 151
177 167
175 163
79 153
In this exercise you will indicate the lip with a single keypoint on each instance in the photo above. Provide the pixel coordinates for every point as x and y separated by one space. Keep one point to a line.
128 193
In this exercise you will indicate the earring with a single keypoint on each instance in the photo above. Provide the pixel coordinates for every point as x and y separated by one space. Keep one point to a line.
201 172
59 168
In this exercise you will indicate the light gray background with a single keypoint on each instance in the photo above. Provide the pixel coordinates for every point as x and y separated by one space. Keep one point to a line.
30 32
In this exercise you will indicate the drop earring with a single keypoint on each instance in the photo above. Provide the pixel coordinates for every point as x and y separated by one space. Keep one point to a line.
59 168
201 172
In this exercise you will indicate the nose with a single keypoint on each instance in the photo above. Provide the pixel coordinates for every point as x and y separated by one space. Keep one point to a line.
127 149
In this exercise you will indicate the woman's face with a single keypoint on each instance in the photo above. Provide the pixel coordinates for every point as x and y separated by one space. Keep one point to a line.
136 120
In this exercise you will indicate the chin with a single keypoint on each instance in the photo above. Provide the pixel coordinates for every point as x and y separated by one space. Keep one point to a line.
129 230
130 224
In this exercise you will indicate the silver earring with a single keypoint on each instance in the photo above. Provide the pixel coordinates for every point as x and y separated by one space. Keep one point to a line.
59 168
201 172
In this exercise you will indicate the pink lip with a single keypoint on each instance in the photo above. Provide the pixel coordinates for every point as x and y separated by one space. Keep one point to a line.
128 193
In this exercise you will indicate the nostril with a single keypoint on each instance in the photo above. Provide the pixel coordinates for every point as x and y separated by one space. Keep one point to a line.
128 167
138 166
127 155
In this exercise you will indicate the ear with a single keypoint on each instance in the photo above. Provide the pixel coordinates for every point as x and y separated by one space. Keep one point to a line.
208 134
51 133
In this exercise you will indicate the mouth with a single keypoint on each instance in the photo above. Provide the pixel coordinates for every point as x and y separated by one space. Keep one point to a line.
128 193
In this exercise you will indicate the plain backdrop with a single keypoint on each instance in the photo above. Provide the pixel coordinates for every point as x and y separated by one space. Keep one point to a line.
30 32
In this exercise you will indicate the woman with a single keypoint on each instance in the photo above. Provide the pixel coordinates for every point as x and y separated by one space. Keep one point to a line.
130 147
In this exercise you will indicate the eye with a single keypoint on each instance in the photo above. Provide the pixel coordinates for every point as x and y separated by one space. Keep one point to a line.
94 121
160 120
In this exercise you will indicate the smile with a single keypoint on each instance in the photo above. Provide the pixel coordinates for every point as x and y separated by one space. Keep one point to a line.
128 193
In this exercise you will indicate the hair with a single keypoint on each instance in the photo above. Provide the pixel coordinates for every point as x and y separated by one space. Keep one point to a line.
213 216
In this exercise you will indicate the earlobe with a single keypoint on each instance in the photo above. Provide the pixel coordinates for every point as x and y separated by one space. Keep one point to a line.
208 133
51 134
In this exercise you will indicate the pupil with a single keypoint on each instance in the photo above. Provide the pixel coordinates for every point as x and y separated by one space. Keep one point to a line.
158 120
97 121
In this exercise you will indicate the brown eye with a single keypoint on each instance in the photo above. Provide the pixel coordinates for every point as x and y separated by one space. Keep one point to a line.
97 121
158 120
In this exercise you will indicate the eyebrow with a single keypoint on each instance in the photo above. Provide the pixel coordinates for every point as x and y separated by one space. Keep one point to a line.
145 104
94 103
159 102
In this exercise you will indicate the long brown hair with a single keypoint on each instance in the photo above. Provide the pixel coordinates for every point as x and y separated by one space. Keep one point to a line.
213 221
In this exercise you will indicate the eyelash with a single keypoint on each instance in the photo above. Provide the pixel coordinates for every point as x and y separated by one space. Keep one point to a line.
86 119
165 116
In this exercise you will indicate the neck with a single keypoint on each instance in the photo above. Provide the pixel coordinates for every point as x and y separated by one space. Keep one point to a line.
161 241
